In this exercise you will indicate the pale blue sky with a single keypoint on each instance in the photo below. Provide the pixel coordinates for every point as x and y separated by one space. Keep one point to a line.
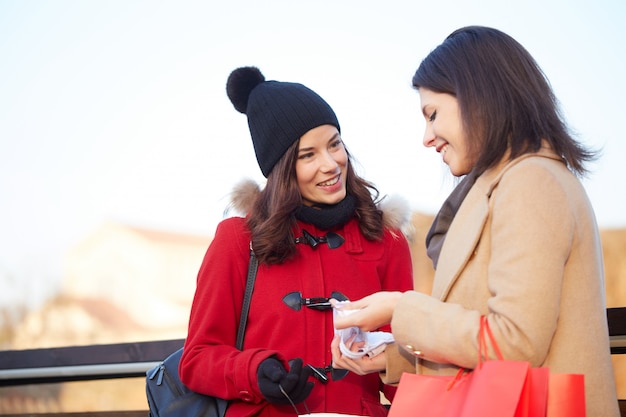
116 109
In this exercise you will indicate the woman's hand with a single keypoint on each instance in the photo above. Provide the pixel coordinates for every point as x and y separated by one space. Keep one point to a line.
374 312
362 366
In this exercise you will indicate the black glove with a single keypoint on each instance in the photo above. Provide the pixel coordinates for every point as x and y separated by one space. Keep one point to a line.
271 373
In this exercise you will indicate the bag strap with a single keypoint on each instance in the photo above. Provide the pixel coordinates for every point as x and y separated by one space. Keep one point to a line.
245 308
484 332
483 349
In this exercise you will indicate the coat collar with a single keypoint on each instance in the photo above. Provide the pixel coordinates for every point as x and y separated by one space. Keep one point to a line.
466 228
396 210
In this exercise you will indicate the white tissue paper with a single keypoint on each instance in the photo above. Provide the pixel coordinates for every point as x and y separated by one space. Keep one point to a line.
375 342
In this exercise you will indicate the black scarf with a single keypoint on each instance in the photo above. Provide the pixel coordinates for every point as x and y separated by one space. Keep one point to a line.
438 230
328 216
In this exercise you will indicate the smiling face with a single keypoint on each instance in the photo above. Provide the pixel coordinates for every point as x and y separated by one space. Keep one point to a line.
321 166
444 130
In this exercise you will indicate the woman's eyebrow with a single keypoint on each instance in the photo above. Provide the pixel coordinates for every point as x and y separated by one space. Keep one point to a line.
333 137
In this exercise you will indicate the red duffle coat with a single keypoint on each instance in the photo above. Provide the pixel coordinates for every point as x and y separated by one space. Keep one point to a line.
212 365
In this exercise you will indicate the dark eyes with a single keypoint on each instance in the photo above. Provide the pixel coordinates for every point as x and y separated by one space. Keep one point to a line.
432 116
336 143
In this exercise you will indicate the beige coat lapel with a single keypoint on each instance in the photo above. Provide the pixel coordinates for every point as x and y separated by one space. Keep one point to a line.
467 226
462 237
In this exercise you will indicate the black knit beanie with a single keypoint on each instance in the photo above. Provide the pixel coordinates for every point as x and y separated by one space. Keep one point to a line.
279 113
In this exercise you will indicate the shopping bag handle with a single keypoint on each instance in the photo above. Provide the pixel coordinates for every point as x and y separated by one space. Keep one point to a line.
483 349
484 332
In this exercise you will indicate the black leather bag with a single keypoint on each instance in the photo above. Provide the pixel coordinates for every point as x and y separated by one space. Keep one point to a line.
169 397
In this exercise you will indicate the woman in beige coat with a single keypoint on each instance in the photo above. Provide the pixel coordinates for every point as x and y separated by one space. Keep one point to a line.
516 241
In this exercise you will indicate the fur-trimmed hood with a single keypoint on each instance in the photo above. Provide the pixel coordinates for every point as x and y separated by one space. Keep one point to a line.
396 209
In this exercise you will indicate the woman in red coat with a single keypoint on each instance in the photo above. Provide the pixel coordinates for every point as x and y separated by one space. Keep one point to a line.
318 232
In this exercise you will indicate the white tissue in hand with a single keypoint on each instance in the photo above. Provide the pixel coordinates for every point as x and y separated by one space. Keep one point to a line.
374 342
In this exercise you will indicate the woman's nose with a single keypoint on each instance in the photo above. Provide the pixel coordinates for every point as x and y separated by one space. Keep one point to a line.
328 163
429 137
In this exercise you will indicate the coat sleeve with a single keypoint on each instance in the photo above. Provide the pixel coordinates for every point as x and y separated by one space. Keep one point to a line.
210 363
398 271
397 276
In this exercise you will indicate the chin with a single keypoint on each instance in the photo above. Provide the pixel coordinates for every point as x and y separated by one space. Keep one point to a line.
457 171
333 199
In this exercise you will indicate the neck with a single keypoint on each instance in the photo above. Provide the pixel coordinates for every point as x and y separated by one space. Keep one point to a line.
324 216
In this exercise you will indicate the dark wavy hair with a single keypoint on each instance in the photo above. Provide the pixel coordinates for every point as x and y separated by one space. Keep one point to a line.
505 100
272 218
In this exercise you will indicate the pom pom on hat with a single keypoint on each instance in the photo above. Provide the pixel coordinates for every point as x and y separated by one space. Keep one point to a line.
240 84
279 113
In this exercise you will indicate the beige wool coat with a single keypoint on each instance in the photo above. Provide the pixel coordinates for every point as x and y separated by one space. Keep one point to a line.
523 249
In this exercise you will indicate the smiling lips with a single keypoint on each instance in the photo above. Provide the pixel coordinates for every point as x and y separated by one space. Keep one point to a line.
330 182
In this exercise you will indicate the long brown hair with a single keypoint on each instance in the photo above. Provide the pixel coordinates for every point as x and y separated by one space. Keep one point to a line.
272 218
506 101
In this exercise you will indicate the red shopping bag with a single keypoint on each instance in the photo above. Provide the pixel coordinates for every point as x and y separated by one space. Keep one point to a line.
496 388
499 389
534 401
545 394
506 388
428 396
566 395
